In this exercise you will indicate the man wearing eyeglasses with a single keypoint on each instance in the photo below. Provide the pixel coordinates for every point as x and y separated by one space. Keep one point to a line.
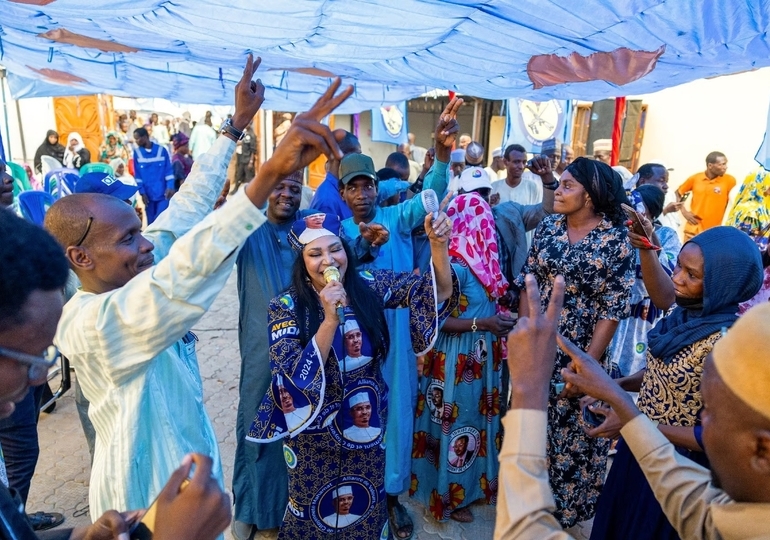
126 331
34 271
18 432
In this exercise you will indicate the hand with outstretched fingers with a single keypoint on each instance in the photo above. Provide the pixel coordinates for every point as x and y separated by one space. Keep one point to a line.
305 140
447 129
532 347
249 95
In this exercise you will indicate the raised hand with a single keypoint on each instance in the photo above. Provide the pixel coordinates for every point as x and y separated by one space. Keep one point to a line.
447 130
532 347
198 512
541 166
439 230
430 157
308 138
249 95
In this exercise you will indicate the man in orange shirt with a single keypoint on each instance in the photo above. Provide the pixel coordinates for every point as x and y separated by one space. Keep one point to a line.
710 194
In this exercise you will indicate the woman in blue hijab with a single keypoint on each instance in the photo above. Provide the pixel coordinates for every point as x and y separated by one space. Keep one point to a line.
715 271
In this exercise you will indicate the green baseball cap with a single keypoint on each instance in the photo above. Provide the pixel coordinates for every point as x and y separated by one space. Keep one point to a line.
355 165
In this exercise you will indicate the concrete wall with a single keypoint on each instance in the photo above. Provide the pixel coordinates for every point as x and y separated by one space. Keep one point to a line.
687 122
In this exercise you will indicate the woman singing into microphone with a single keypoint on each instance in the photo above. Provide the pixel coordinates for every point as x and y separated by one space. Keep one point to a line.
328 393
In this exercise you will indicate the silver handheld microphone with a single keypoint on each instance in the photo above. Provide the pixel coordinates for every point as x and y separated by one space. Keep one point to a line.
430 202
333 274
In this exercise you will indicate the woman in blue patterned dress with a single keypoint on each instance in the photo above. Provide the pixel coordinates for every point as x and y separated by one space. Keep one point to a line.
586 242
328 340
457 433
715 271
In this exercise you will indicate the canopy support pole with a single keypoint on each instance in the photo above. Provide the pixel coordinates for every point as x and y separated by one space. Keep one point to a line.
5 114
21 132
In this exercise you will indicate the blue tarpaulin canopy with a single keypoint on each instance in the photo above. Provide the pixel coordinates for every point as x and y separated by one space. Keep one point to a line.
193 50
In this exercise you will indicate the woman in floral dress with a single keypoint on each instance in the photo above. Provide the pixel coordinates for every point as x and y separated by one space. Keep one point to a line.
457 432
586 242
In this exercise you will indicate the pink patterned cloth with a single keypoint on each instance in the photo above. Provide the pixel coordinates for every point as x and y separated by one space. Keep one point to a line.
762 296
475 242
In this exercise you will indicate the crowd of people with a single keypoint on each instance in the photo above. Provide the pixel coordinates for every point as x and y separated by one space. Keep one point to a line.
411 340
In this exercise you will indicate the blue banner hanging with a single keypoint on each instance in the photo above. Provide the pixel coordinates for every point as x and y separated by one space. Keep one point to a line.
529 123
389 124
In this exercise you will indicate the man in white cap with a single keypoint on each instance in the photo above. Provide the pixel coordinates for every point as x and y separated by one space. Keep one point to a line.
496 169
603 153
343 502
361 412
354 358
294 417
456 166
732 501
603 150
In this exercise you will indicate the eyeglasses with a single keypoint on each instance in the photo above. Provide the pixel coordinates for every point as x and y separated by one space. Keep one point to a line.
38 365
88 228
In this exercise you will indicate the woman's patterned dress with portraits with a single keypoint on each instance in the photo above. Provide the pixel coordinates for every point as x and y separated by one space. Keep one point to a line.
335 411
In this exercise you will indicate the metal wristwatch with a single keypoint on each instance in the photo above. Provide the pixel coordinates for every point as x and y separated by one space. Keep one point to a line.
228 127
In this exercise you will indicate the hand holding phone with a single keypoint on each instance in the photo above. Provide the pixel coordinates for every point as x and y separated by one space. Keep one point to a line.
638 226
591 418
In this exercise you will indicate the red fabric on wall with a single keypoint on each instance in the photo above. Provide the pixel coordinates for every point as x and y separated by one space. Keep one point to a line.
617 129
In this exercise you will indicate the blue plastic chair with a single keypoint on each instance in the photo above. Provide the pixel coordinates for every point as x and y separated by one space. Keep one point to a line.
61 182
34 205
21 181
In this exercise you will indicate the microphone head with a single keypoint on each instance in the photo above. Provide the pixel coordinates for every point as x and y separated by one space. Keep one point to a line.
331 274
429 200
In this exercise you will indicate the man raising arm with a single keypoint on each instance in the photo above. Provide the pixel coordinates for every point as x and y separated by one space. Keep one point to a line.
127 330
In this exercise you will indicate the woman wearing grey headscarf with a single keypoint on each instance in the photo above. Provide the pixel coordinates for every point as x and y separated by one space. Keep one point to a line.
585 240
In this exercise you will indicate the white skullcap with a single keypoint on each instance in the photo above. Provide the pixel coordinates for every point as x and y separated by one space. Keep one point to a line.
361 397
350 326
497 152
602 145
344 490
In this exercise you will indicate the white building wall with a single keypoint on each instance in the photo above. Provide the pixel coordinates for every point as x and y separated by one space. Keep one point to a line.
687 122
37 118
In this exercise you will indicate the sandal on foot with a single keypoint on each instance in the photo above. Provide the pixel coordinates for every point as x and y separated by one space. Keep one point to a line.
400 521
462 515
42 521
